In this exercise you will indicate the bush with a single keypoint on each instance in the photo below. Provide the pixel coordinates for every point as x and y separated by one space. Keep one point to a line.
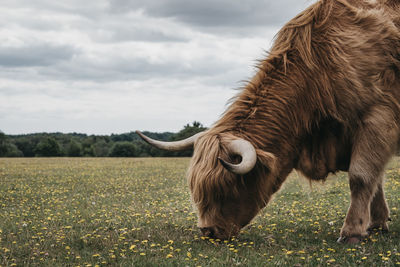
27 146
101 149
7 148
48 147
74 149
123 149
3 144
13 151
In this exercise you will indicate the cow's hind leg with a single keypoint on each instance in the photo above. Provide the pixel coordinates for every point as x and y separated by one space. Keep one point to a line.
374 144
379 211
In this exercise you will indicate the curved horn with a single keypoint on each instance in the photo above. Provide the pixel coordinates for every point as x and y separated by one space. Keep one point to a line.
244 149
171 146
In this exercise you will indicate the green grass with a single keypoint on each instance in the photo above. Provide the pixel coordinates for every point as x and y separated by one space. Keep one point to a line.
137 212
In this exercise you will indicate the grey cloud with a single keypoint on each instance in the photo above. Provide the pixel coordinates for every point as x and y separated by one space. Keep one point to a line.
90 9
104 59
135 69
223 13
35 55
129 34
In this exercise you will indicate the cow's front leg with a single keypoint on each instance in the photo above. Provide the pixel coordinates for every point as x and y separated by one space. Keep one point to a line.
379 211
358 216
374 143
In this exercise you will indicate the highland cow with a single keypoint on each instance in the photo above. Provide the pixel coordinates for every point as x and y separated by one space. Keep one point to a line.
325 99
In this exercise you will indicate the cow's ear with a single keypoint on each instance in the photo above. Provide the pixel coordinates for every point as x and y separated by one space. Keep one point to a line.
267 159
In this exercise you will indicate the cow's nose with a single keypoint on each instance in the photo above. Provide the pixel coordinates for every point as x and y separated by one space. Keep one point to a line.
208 231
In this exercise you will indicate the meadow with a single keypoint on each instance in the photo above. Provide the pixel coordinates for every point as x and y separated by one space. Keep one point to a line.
137 212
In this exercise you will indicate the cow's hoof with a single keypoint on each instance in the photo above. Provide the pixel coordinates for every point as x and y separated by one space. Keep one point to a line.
378 227
349 240
373 230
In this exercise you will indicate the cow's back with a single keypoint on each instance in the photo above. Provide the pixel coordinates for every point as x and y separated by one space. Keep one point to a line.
358 48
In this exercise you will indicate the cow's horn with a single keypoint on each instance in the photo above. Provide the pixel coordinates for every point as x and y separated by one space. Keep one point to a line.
171 146
244 149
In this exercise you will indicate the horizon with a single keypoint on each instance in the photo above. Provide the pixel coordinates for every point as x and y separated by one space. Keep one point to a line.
79 133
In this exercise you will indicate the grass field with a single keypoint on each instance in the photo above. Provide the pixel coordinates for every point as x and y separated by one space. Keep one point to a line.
137 212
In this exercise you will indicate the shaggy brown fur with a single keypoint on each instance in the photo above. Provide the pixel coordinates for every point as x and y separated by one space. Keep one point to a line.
325 99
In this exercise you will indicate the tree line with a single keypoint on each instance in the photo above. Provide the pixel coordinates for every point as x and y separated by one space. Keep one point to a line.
82 145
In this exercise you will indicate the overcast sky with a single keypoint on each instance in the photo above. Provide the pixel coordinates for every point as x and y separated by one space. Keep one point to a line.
114 66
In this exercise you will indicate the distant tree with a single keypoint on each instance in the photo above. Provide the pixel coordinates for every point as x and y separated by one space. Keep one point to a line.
48 147
123 149
142 149
3 144
75 144
74 149
101 148
87 146
87 151
122 137
26 145
187 131
13 151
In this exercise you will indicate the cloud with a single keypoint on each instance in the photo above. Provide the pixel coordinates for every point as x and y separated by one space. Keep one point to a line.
117 65
35 55
209 13
114 107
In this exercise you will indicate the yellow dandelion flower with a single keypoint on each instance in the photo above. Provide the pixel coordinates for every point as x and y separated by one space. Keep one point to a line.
169 256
